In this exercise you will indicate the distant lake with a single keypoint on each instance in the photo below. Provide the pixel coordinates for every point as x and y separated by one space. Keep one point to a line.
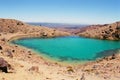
71 48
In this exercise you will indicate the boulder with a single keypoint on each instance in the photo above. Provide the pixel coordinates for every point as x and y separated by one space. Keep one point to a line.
70 69
0 47
118 28
20 23
9 54
43 34
13 51
113 56
116 35
3 39
34 68
4 65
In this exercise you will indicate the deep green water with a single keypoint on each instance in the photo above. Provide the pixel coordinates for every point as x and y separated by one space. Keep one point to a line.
70 48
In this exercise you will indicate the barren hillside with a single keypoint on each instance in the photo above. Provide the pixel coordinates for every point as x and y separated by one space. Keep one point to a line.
107 31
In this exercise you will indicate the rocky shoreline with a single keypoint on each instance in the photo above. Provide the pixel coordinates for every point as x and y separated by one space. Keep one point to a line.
25 64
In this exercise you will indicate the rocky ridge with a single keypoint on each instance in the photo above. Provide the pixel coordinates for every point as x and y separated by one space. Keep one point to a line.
106 31
15 26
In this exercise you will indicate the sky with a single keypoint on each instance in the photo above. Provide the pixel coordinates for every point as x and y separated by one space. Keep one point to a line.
62 11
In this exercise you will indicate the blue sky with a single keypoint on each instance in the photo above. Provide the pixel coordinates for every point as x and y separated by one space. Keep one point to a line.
62 11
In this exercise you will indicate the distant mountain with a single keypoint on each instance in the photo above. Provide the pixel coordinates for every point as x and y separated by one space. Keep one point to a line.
105 31
54 25
71 28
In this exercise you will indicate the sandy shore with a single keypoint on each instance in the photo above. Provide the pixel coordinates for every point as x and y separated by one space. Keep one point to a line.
28 65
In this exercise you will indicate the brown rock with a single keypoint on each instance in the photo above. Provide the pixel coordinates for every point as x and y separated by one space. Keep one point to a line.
1 48
70 69
13 51
3 39
9 54
34 68
113 56
4 65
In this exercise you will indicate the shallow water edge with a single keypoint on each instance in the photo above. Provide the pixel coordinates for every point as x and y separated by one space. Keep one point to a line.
63 61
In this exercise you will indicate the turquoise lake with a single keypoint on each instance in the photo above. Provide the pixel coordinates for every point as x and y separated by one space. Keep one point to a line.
71 48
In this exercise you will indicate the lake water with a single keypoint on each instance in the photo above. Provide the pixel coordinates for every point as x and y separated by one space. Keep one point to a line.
70 48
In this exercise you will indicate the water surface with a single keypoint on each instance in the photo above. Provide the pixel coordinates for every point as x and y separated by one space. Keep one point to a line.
70 48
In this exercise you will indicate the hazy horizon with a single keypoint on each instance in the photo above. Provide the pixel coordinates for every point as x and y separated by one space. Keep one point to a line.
62 11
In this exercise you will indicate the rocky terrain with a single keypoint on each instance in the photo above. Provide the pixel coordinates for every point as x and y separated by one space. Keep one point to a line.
19 63
106 31
15 26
